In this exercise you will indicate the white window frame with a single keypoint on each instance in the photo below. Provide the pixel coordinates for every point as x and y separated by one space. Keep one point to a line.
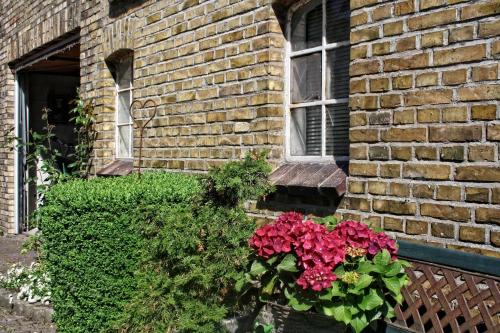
130 122
324 47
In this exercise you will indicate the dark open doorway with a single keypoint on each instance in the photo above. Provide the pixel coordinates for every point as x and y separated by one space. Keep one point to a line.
47 88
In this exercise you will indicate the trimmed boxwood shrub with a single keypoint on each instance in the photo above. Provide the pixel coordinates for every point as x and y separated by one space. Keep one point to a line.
92 242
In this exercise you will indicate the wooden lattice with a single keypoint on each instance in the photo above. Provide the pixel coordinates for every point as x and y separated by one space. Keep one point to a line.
442 299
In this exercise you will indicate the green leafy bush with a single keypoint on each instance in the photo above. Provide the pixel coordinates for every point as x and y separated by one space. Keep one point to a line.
92 243
193 256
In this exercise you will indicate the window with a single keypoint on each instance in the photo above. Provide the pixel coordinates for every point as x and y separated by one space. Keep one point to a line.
318 81
124 123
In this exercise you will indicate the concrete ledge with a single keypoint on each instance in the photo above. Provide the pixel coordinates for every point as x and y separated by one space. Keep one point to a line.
34 312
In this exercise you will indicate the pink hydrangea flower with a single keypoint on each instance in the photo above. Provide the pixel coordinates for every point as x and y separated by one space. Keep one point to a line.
316 278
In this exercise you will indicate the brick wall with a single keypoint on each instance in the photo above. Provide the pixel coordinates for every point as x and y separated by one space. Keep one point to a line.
424 158
424 98
21 31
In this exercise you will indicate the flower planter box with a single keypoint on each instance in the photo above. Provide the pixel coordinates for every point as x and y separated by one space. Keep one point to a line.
284 320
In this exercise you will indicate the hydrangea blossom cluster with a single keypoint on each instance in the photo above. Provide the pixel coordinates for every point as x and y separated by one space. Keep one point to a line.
360 236
318 250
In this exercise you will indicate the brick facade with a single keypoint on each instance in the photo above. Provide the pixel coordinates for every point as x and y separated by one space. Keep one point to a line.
424 98
424 120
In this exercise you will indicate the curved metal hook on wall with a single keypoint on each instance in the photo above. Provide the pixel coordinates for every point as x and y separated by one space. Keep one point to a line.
141 126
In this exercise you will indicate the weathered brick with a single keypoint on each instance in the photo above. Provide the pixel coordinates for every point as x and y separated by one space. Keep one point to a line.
489 7
393 224
362 169
445 212
357 86
358 153
485 73
477 194
388 170
478 153
460 55
428 115
425 97
358 204
362 3
449 193
495 238
452 154
359 52
489 28
427 4
364 35
380 84
478 173
395 207
363 102
381 48
427 171
432 39
483 112
401 153
426 79
495 195
493 132
382 12
432 20
455 133
423 191
420 60
404 7
390 100
364 67
406 116
426 153
379 153
363 135
402 82
461 34
454 77
443 230
356 187
404 134
482 92
393 28
414 227
454 114
488 215
400 190
472 234
406 44
378 188
357 119
359 19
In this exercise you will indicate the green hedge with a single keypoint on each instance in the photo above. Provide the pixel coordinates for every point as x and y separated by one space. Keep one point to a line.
92 242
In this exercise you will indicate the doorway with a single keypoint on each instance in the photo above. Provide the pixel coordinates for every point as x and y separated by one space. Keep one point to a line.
46 89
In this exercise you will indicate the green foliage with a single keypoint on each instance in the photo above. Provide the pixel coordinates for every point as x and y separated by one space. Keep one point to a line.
194 255
92 244
238 181
190 264
83 118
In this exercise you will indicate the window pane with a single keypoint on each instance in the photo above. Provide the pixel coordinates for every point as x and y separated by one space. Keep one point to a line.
124 74
306 78
337 20
123 107
307 26
337 73
124 133
305 131
337 130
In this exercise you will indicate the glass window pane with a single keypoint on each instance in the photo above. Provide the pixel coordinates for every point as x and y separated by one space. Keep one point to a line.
123 107
124 74
307 26
124 135
337 73
337 21
337 130
305 131
306 78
